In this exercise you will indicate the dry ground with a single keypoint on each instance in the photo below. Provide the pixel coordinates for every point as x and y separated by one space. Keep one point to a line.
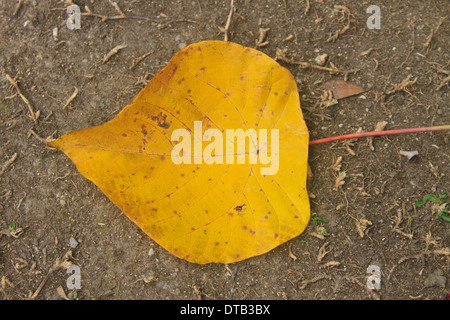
371 217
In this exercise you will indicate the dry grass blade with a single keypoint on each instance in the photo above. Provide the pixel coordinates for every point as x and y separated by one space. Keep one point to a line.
138 60
290 252
34 116
340 180
361 226
8 163
323 252
304 283
44 140
262 36
227 25
378 127
402 86
60 263
330 264
281 55
18 6
114 51
74 94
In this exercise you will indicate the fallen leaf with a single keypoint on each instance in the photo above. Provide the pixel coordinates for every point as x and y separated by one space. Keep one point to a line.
342 89
61 293
201 212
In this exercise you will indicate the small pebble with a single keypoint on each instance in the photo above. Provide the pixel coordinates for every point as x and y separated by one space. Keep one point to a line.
73 242
409 154
55 34
321 59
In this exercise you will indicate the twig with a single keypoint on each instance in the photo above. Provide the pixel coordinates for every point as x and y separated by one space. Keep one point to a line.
398 220
20 201
8 163
402 86
138 60
430 37
63 262
227 25
104 18
113 52
308 6
369 291
121 16
380 133
315 279
43 140
345 11
16 10
443 83
281 55
74 94
367 52
262 35
412 46
34 116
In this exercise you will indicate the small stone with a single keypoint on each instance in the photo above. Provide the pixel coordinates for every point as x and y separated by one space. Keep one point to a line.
409 154
55 34
73 242
321 59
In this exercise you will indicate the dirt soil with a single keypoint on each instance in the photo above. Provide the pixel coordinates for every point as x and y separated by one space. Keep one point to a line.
371 220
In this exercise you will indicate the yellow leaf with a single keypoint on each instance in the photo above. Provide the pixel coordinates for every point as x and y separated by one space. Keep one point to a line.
200 210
